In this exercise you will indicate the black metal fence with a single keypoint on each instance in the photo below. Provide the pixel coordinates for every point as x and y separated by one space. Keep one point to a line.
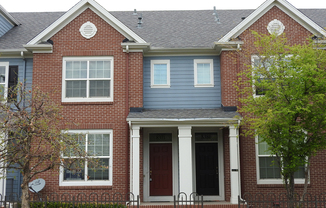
272 200
192 201
94 200
81 200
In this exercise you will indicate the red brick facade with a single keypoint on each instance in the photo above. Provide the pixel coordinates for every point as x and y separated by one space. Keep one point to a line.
47 74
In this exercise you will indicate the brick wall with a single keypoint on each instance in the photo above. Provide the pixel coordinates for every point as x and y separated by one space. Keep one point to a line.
102 115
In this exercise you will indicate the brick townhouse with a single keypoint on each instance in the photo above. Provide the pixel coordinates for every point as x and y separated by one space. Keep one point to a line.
153 91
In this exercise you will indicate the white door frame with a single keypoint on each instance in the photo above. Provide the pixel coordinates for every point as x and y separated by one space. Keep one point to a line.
221 196
146 176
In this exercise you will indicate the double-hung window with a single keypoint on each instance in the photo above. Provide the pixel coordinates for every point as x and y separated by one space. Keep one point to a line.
160 73
203 73
87 79
4 68
98 144
8 81
268 170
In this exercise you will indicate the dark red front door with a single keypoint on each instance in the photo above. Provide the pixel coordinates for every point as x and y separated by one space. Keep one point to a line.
161 169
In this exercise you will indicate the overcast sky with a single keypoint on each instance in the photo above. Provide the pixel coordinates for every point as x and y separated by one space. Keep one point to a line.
128 5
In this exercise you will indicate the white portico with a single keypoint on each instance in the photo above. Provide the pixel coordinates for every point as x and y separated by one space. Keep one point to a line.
183 152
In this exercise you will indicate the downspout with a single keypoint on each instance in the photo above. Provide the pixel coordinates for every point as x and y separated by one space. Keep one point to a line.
127 112
239 169
24 75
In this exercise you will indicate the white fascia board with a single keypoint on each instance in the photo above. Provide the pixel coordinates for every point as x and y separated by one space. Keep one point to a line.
156 51
41 48
178 122
8 17
77 10
265 7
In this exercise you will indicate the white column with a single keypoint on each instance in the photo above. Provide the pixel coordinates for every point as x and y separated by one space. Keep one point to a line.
234 163
185 160
134 160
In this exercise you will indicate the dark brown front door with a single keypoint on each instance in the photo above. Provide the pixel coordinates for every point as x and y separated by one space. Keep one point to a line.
207 177
161 169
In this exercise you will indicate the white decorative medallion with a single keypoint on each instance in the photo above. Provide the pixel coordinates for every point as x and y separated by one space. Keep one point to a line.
275 27
88 30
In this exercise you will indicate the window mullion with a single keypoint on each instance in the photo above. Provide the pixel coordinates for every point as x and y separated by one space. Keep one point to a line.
86 168
87 82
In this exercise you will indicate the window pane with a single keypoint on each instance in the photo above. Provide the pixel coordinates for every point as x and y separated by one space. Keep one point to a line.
268 169
203 73
76 69
2 74
101 172
160 74
300 173
99 69
99 88
263 148
76 88
160 137
81 141
98 144
74 171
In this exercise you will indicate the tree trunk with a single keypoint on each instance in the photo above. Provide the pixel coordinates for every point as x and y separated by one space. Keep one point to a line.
25 191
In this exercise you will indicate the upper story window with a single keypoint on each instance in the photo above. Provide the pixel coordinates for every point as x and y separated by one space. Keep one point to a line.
87 79
268 171
4 69
97 143
204 73
8 81
160 73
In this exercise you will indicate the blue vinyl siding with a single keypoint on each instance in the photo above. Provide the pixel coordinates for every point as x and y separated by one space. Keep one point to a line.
14 177
20 63
182 94
5 26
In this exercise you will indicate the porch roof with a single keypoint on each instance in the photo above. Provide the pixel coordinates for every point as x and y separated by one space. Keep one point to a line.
183 114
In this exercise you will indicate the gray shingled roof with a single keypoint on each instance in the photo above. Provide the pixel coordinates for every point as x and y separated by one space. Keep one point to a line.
32 23
183 114
163 29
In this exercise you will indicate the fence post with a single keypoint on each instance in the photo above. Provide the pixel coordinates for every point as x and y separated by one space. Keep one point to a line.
73 201
174 202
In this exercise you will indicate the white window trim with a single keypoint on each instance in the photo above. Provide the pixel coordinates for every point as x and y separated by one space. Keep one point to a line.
167 62
87 99
6 65
270 181
204 61
91 182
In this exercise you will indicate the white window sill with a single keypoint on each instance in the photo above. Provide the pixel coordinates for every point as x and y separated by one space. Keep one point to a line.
160 86
72 100
86 183
278 181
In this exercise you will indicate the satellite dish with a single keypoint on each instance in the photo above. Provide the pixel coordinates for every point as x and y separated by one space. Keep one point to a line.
36 185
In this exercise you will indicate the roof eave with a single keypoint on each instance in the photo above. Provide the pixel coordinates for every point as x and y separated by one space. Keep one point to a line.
159 51
175 121
11 53
12 20
40 48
